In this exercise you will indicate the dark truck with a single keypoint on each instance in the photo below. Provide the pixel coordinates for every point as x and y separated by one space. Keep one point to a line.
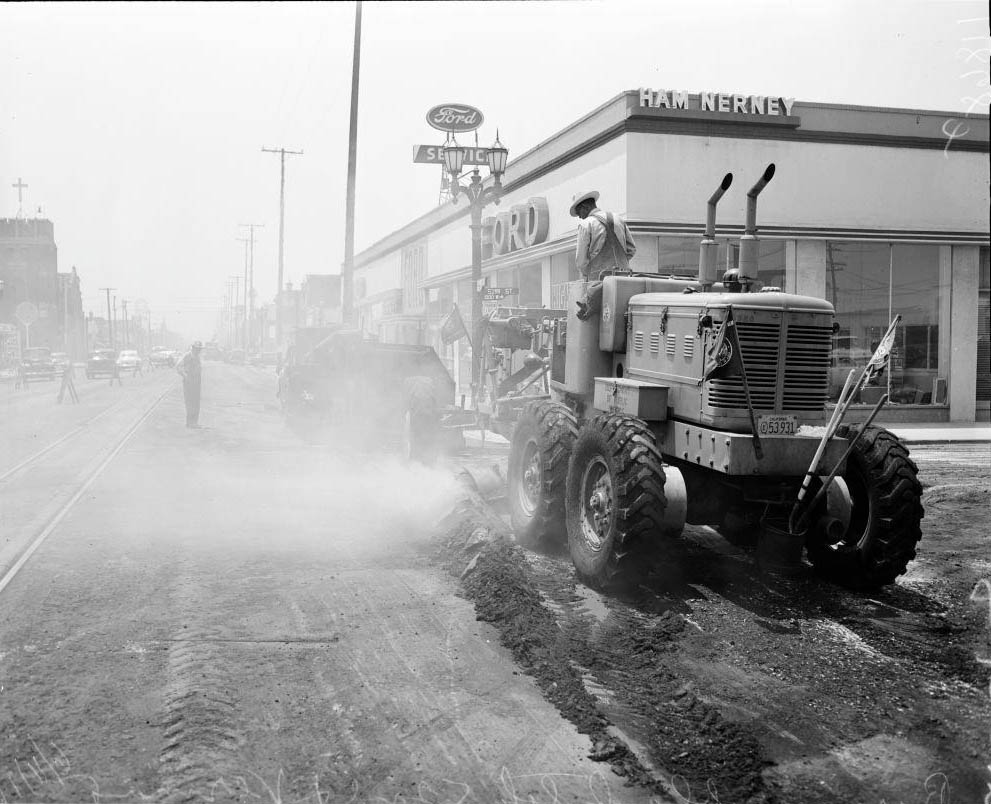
379 393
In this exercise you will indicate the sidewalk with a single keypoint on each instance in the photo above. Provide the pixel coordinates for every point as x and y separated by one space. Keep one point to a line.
941 432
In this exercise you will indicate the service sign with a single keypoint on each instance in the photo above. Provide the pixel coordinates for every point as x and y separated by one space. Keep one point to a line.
454 117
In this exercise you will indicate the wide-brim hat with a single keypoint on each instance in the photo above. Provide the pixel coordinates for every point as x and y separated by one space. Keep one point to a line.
591 194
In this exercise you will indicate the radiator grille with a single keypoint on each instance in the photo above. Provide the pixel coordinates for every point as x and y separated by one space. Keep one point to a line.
655 342
806 368
638 342
671 344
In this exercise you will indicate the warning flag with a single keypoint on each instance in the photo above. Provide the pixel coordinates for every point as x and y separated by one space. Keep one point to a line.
879 360
724 358
453 327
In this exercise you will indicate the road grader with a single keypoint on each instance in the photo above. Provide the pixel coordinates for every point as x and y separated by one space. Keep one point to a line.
703 400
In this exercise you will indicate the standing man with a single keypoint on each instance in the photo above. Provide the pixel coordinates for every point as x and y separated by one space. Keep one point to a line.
68 384
605 243
189 369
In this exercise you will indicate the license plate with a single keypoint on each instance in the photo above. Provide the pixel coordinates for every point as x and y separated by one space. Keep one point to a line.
776 425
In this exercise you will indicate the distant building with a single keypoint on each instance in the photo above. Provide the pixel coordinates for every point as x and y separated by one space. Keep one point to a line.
29 273
72 325
321 299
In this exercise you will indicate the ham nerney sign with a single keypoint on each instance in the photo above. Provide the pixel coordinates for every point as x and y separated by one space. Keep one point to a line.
454 117
717 102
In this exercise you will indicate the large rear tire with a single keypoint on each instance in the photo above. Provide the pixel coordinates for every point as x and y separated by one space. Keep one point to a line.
538 470
885 520
614 500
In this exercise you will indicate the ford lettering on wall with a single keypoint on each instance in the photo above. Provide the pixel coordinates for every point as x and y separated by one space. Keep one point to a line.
454 117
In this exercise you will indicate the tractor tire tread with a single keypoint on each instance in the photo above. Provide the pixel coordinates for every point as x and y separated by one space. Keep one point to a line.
556 429
896 496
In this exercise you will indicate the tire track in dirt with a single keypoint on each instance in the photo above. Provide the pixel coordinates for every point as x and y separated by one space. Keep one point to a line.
201 733
575 661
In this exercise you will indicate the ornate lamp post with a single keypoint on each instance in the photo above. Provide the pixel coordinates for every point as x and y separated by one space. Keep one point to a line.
478 197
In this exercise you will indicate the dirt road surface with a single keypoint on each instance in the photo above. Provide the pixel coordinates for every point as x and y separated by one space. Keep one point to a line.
233 614
713 683
230 614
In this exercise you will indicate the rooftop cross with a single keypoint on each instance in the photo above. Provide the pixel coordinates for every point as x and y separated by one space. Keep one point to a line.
20 185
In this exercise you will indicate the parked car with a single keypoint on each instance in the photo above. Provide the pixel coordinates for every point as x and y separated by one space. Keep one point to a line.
61 360
236 356
128 360
101 363
37 364
162 357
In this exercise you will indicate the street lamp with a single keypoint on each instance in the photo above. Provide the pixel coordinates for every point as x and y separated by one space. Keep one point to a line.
478 197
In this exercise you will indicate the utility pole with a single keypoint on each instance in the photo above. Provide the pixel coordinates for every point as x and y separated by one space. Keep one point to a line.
126 328
237 297
110 326
282 222
251 276
244 310
347 277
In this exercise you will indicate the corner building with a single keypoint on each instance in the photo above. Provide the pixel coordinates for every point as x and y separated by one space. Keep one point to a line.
880 211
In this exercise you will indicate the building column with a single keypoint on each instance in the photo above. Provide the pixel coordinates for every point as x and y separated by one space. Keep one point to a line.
962 378
809 275
545 282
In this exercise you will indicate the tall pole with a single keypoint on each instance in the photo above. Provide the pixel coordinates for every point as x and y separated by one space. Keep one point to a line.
282 224
237 297
244 309
113 329
251 277
347 277
110 325
124 319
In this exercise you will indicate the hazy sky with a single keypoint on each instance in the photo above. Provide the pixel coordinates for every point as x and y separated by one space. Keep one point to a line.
139 127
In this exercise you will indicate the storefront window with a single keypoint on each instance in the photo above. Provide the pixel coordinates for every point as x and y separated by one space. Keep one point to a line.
984 328
563 270
870 283
680 256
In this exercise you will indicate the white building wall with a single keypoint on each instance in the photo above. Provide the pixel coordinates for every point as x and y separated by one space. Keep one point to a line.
672 177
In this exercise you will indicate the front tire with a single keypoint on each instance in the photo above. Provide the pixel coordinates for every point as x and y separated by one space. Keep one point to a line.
542 442
614 500
885 520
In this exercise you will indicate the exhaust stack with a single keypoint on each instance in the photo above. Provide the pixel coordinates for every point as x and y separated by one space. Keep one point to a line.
748 243
708 248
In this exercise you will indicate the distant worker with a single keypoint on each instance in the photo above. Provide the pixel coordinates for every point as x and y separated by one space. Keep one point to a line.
605 244
189 368
116 374
68 384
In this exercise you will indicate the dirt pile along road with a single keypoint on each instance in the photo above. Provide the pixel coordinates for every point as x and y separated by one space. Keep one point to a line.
713 683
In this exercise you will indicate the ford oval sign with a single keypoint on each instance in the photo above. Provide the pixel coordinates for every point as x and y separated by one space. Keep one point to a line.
454 117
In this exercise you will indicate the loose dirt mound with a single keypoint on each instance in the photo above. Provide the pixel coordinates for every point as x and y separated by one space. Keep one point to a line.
692 746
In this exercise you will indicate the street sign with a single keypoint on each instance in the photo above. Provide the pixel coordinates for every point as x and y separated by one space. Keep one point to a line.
26 313
434 155
498 294
454 117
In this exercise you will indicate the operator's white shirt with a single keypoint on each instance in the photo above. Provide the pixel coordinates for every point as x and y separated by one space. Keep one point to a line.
589 256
